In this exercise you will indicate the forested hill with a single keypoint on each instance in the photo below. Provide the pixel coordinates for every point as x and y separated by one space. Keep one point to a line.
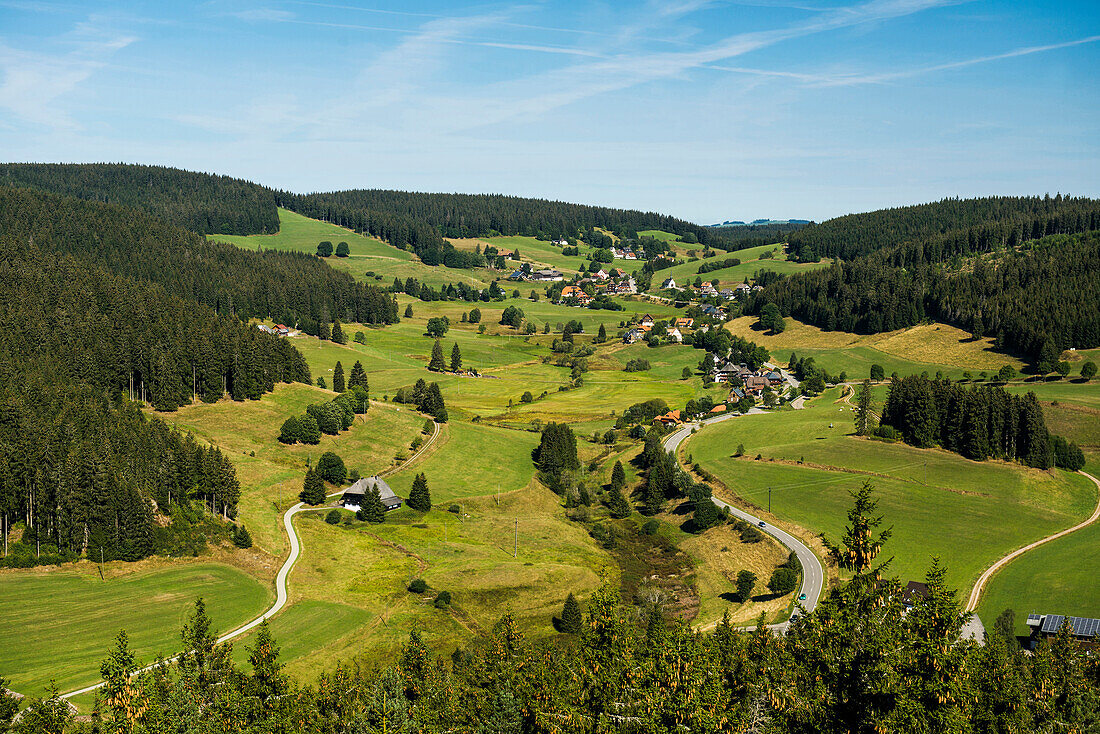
201 202
290 287
1026 276
947 227
479 215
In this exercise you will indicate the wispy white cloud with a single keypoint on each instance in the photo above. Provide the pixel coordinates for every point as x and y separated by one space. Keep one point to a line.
36 84
262 14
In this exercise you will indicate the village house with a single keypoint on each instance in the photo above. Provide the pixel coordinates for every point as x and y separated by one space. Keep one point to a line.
669 284
546 275
671 418
755 384
352 498
742 289
675 335
600 275
727 294
774 377
634 335
265 328
647 321
683 323
575 292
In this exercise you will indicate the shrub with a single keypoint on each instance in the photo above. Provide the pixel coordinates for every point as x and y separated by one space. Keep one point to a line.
333 517
331 468
241 537
443 600
651 526
783 581
418 586
637 365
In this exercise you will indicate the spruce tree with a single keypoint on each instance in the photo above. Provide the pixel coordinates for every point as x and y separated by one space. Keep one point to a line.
308 430
654 498
372 510
863 409
338 335
267 678
420 498
456 358
571 616
618 476
601 336
437 364
313 489
618 504
358 376
290 433
338 378
323 332
409 311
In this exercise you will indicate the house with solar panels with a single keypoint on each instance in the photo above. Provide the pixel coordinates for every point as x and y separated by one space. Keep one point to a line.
1085 630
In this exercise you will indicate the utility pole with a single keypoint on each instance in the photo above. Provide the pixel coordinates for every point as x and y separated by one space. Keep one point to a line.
515 548
769 499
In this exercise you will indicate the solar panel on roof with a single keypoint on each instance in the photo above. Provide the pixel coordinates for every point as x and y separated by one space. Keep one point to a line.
1085 626
1053 623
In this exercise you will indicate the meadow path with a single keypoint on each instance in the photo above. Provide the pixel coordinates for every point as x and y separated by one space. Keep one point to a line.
813 573
979 586
281 595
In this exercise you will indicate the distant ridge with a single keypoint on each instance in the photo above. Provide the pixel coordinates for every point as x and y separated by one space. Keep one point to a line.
759 222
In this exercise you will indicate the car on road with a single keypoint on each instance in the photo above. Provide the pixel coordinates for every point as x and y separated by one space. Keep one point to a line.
762 524
802 597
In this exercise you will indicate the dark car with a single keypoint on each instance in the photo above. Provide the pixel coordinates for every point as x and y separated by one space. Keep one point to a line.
762 524
802 597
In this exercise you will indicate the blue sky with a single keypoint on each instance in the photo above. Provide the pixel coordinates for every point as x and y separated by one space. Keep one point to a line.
708 110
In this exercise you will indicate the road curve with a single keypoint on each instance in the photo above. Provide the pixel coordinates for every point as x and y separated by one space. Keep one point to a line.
813 573
280 578
979 586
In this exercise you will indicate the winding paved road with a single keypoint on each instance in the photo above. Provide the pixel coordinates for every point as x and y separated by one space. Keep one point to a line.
284 571
976 592
813 573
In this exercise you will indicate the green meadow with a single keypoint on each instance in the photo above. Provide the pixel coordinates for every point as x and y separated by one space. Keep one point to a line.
968 513
59 624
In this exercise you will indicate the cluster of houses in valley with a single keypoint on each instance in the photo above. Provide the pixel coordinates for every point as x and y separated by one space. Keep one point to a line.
544 275
626 252
707 290
642 329
277 329
603 283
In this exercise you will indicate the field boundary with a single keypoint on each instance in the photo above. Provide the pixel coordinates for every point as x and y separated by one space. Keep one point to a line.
979 586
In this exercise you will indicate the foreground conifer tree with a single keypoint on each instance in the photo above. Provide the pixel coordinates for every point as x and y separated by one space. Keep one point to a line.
571 616
420 498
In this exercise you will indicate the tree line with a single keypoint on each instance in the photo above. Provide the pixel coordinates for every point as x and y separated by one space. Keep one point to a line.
201 202
978 421
281 286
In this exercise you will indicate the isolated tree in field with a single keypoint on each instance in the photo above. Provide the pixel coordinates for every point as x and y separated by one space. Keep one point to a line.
512 316
863 409
557 451
571 622
1088 370
313 489
877 373
686 374
618 476
358 376
338 334
409 311
783 581
338 378
330 467
420 498
601 335
1063 369
241 537
437 364
324 249
456 358
342 249
860 544
436 327
432 403
706 515
371 510
475 315
746 582
771 319
1006 373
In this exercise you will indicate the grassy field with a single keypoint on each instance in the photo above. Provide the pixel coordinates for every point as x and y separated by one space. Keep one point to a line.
685 273
927 348
966 512
302 234
59 625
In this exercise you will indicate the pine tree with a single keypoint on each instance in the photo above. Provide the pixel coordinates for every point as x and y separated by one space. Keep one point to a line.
290 433
338 378
313 489
338 335
863 409
746 582
860 544
372 510
267 678
618 504
654 497
571 622
409 311
358 376
419 497
456 358
601 336
241 537
323 332
618 476
437 364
